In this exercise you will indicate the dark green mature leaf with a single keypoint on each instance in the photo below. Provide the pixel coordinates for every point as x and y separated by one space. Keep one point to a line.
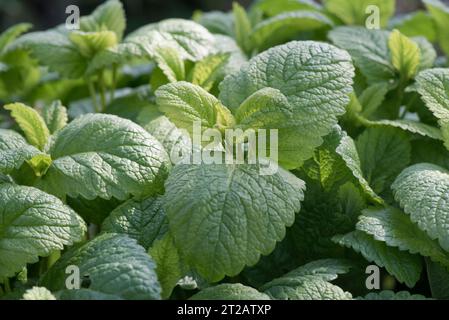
104 156
368 48
14 151
223 217
395 228
438 280
440 13
302 99
404 266
33 224
422 191
114 264
143 220
228 291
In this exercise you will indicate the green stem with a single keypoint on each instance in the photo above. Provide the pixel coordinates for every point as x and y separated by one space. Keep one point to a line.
93 94
54 256
7 286
102 90
114 81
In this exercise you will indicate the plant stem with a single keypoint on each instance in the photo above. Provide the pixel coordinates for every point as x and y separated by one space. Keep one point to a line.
93 94
114 81
102 90
7 286
54 256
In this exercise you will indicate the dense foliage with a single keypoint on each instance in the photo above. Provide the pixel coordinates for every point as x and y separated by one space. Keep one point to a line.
88 180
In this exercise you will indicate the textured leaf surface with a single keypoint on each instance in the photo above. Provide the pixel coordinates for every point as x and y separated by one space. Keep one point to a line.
114 264
228 291
410 126
14 151
395 228
55 116
33 224
104 156
405 54
390 295
38 293
422 191
433 87
31 123
143 220
308 84
404 266
224 217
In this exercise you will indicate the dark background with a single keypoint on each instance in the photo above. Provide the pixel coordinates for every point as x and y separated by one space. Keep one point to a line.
48 13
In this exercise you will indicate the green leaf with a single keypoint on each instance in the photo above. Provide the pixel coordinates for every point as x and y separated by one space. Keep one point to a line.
348 152
192 40
402 265
372 98
55 50
440 13
416 24
422 191
169 266
33 224
275 7
430 151
310 282
185 103
31 123
428 53
433 86
114 264
368 48
104 156
227 291
355 12
390 295
411 126
143 220
11 34
170 62
91 43
305 110
108 16
38 293
14 151
438 280
242 27
207 71
395 228
216 22
55 116
223 226
384 153
287 26
405 54
40 164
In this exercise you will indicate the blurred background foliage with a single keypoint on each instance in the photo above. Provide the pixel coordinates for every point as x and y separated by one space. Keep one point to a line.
48 13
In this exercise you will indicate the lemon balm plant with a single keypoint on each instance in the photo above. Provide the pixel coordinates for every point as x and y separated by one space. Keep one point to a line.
93 205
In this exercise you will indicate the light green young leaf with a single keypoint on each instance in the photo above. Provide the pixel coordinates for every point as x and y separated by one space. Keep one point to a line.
275 7
440 14
395 228
228 291
108 16
223 217
192 40
402 265
38 293
33 224
9 35
169 61
104 156
143 220
91 43
54 50
422 191
368 48
242 27
384 152
390 295
416 24
207 71
405 54
356 12
286 26
55 116
308 81
169 267
31 123
14 151
114 264
185 103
